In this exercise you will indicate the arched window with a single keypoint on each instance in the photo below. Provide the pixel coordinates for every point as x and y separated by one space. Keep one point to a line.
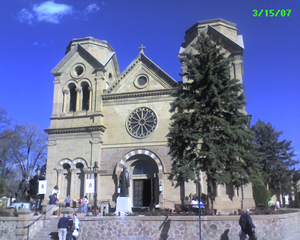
85 96
73 97
143 169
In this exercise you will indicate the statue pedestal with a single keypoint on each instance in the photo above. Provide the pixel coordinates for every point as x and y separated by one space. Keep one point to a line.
20 205
124 204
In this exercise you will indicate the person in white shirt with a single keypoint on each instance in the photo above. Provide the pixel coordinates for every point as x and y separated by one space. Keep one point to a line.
86 203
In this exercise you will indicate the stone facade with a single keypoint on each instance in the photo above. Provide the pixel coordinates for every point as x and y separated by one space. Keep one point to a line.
112 119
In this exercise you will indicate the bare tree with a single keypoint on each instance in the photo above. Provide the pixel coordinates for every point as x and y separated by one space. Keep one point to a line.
28 148
6 133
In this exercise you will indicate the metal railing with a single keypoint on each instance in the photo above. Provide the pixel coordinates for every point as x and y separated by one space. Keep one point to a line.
39 218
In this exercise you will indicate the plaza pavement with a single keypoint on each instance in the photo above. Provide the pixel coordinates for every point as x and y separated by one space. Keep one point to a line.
294 236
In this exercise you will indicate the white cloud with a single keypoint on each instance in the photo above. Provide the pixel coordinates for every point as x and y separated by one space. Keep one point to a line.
25 16
51 12
92 8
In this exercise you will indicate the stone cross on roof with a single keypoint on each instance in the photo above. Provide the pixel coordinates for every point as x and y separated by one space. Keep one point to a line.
142 47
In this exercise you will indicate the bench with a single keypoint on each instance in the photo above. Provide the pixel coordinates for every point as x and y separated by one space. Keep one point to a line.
190 208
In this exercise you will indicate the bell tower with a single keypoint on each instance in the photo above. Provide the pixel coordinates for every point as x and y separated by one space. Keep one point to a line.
76 129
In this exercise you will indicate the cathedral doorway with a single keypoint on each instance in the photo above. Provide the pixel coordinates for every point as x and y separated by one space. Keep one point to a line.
146 177
145 187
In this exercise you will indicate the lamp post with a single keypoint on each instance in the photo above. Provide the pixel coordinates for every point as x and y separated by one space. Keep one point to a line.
199 196
95 170
38 171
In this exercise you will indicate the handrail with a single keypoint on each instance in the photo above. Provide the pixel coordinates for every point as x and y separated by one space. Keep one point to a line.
36 220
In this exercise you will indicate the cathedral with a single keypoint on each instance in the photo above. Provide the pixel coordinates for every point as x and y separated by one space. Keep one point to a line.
104 120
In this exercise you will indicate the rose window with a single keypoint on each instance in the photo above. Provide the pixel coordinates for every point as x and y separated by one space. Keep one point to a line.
141 122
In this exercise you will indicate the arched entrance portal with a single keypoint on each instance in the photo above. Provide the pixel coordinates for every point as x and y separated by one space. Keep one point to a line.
146 174
144 184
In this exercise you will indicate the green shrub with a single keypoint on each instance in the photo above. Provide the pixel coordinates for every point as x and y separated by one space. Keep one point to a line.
4 212
261 194
2 187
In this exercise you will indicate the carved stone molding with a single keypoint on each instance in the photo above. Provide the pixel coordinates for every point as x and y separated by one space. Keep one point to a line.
90 89
136 95
51 143
237 62
57 80
96 140
76 130
78 89
65 91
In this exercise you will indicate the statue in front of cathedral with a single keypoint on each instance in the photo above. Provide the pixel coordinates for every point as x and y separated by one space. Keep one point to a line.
22 194
124 182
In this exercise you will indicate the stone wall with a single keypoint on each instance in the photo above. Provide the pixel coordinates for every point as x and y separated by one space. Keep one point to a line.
8 227
273 227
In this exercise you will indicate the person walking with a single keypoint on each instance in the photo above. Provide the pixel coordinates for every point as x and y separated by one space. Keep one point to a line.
53 199
62 227
67 201
70 228
80 202
76 223
86 204
247 226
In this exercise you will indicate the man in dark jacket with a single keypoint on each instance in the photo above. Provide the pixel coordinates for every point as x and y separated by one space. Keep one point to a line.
70 229
62 227
53 199
247 226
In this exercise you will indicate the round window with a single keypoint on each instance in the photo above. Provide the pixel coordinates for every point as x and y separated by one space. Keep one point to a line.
141 122
78 70
141 82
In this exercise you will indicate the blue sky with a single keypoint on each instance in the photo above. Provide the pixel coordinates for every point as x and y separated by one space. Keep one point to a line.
35 34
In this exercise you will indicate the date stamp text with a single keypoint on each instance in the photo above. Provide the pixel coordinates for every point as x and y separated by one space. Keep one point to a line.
272 13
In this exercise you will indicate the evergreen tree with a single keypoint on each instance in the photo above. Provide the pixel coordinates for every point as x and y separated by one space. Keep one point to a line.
209 131
275 158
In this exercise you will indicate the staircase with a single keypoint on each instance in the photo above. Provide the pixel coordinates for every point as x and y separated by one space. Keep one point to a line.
49 232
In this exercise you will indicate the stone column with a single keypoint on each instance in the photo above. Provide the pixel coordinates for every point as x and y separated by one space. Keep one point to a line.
57 98
23 221
98 89
73 184
65 104
161 194
218 190
60 182
78 99
238 67
85 170
235 199
91 99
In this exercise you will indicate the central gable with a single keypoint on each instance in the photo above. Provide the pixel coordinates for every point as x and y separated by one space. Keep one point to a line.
142 75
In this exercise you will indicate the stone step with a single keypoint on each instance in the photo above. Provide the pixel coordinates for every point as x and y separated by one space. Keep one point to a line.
49 232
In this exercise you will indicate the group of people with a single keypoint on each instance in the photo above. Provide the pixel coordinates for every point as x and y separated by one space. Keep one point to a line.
276 204
83 203
67 228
